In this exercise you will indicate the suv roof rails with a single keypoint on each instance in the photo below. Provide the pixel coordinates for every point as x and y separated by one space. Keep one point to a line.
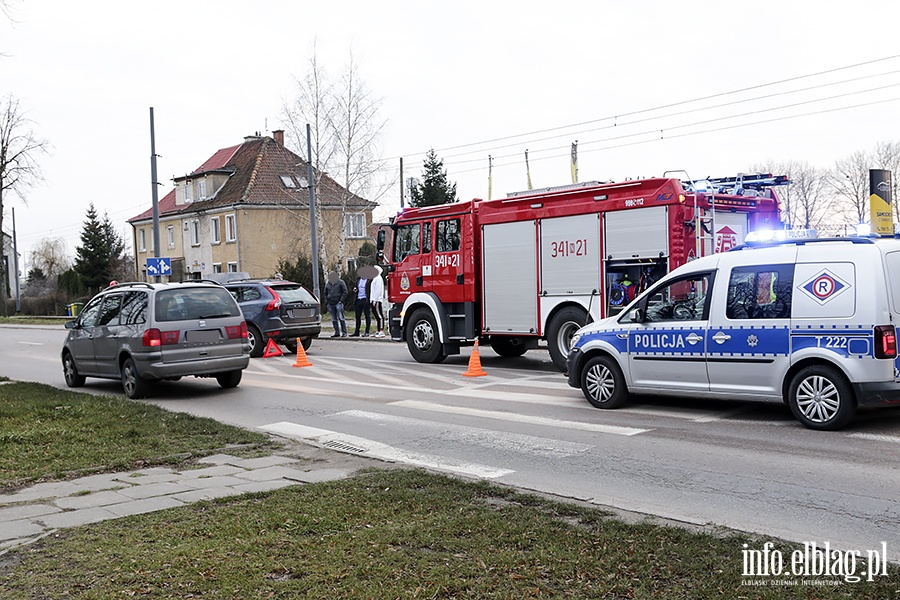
801 242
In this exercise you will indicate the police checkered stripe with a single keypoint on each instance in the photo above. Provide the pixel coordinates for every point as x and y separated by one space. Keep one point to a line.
846 327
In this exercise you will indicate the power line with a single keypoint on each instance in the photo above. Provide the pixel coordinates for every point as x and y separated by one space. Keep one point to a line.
617 124
692 133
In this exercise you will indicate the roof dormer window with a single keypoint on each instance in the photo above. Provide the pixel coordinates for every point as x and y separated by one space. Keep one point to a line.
188 191
288 181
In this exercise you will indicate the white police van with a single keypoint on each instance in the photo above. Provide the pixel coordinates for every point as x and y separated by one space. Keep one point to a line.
809 322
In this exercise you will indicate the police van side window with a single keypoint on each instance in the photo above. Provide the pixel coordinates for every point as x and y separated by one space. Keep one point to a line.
682 300
760 292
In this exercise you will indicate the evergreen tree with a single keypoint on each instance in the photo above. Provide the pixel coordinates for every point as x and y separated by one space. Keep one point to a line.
98 255
434 189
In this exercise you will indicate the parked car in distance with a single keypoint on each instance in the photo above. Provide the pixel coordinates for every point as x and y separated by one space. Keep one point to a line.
279 310
145 332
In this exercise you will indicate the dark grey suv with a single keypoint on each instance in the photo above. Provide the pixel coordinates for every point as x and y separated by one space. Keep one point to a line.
280 310
143 332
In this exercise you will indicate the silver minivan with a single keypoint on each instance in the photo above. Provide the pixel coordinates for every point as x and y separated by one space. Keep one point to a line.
142 332
806 322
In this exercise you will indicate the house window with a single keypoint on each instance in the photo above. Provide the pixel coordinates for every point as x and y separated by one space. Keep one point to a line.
230 228
355 225
217 267
288 181
214 229
187 191
232 267
195 232
170 232
201 189
142 240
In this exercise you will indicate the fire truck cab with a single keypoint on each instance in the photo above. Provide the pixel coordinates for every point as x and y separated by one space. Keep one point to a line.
540 264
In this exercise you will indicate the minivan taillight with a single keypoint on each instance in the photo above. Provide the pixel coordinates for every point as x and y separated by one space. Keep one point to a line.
155 337
885 341
236 332
276 300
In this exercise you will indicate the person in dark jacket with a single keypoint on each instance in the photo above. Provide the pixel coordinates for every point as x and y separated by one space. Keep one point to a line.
335 294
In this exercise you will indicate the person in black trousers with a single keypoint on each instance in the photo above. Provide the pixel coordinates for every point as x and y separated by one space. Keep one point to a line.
362 292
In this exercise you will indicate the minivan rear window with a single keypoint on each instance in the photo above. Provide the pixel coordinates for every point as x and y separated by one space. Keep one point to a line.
195 303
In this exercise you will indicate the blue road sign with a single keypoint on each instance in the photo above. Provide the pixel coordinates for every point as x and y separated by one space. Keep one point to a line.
159 266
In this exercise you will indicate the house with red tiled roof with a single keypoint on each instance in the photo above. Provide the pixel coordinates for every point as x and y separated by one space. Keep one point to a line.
247 207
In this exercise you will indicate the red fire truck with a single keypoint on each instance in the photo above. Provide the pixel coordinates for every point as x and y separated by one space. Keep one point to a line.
538 265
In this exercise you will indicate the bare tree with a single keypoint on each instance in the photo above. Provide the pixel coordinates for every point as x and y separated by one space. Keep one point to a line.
811 200
50 255
345 128
849 181
313 106
357 129
806 203
19 169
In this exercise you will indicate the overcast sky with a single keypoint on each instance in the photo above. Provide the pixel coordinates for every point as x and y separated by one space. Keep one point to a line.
618 77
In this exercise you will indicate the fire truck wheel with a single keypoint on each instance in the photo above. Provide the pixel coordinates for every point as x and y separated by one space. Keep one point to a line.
422 338
603 384
508 346
562 327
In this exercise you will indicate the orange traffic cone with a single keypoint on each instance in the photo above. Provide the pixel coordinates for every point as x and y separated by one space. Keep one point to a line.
272 350
301 361
475 369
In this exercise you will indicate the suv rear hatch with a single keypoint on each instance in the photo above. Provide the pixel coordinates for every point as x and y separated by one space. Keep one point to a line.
298 306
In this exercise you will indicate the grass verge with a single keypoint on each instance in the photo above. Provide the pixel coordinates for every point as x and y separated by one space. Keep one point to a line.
381 534
48 433
25 320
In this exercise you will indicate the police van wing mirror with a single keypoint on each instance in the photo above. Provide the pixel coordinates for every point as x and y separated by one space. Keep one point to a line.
638 316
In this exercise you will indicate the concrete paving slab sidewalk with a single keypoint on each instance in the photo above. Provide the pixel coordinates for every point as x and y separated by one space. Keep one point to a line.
34 512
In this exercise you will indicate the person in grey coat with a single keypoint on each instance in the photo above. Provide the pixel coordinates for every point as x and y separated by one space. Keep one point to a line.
335 293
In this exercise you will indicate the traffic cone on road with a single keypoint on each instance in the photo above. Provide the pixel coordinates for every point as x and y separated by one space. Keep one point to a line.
475 369
301 361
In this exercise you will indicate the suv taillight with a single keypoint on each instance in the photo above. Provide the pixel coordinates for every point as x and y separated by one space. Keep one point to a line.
236 332
885 341
155 337
276 300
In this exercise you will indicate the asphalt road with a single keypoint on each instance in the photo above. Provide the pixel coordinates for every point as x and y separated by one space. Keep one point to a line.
740 465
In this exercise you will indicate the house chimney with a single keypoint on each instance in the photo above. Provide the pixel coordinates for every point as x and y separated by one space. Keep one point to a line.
278 134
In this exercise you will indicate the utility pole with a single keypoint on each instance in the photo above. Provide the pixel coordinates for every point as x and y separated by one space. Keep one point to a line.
153 184
312 215
16 262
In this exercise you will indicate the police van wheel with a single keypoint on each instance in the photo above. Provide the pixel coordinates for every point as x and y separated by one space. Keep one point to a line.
422 338
603 384
560 330
821 398
508 346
